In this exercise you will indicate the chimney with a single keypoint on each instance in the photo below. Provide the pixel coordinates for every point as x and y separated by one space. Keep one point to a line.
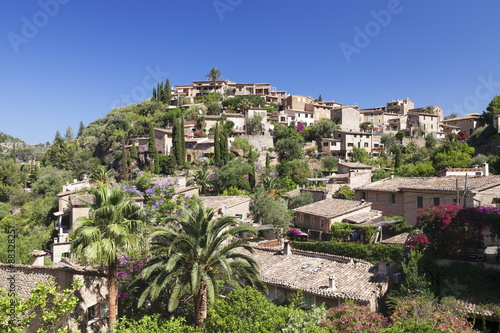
383 267
287 249
38 257
486 169
331 283
392 175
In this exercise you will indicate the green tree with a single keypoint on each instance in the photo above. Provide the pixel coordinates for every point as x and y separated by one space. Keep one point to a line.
267 209
154 324
47 305
50 181
330 162
214 75
288 149
321 129
234 174
492 109
69 134
246 311
81 128
217 152
344 192
452 154
113 227
191 260
304 198
360 155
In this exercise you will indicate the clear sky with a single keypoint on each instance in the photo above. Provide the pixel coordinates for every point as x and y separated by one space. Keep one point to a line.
66 61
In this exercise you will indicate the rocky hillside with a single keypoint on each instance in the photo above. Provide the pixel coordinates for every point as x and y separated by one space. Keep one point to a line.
24 152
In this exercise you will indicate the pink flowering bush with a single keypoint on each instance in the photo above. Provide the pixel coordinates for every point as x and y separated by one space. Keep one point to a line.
416 240
451 229
354 318
426 310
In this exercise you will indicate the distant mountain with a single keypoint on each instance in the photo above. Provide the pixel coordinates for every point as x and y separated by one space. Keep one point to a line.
10 146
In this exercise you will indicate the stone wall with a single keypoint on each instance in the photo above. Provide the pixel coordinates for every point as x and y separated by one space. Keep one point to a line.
94 291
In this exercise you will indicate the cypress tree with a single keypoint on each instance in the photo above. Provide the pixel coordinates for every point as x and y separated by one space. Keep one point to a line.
320 98
152 151
167 96
224 148
182 142
268 160
154 94
217 159
133 152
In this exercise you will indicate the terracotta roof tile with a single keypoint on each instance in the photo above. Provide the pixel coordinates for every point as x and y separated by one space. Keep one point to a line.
431 183
331 208
354 279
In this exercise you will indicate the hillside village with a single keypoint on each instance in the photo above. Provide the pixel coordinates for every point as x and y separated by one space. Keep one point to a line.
325 204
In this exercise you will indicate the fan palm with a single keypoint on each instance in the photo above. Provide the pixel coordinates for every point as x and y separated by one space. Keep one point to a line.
113 226
190 260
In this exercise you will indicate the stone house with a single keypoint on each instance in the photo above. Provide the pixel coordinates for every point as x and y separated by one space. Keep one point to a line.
348 116
91 314
467 123
323 279
236 206
318 217
403 196
198 147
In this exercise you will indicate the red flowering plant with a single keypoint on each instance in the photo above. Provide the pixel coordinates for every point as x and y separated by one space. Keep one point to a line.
417 241
300 129
350 318
437 224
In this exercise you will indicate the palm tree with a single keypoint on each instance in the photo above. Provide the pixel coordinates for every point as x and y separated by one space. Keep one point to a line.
213 75
112 227
190 259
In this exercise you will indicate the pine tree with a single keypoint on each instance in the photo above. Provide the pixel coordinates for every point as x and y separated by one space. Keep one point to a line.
80 129
217 157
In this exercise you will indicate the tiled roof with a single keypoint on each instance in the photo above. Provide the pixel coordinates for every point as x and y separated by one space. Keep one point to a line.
472 115
398 239
354 279
216 202
356 165
431 183
363 217
331 208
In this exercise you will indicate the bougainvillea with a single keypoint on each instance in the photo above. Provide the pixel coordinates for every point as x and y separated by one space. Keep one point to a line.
452 229
416 240
426 310
354 318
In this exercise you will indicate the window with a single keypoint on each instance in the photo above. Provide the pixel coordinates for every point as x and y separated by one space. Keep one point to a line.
349 144
366 144
301 217
282 118
363 195
377 197
96 311
272 293
311 221
309 301
420 202
436 201
322 223
325 144
393 198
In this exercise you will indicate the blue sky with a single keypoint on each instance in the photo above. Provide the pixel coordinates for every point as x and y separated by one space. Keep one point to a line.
66 61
